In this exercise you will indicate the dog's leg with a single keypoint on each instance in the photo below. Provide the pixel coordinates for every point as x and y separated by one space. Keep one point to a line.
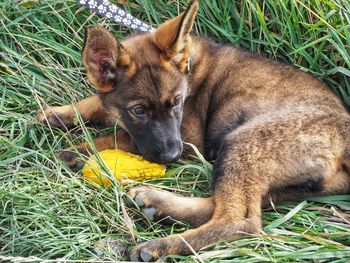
237 210
234 215
91 109
120 140
167 207
339 183
252 162
238 199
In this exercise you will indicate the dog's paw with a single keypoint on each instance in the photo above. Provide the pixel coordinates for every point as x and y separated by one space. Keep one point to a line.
55 116
71 159
150 201
144 253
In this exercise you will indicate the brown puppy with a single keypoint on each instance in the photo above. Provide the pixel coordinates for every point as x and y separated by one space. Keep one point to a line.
274 131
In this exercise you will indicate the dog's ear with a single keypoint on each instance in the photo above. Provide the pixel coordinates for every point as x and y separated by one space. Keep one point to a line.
173 36
102 56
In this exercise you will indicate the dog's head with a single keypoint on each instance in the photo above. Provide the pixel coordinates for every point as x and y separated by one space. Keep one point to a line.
143 82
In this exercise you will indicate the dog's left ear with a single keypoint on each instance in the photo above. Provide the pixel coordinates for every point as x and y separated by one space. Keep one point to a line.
173 36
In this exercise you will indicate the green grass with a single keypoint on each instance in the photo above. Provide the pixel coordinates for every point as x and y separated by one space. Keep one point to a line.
49 212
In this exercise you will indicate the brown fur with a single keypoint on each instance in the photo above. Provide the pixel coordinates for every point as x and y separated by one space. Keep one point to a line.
275 132
90 109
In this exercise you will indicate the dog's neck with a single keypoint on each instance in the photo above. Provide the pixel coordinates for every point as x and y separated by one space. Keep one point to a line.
204 58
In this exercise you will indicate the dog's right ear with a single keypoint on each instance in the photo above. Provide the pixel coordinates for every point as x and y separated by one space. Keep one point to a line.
102 56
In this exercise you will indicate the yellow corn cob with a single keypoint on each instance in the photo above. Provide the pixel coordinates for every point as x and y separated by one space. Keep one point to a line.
122 165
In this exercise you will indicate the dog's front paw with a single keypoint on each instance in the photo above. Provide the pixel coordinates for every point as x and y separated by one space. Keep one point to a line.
151 202
146 252
71 159
59 117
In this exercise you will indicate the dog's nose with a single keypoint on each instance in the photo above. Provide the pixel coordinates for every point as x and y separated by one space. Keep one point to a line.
170 157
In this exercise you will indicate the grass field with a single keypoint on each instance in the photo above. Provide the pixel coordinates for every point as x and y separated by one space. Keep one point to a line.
48 212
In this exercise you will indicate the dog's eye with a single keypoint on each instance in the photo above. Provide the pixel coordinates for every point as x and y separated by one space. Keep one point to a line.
138 111
177 102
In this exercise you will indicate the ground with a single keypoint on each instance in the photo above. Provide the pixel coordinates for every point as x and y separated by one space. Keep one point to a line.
48 211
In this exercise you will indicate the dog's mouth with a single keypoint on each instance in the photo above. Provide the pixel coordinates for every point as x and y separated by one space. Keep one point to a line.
145 155
161 158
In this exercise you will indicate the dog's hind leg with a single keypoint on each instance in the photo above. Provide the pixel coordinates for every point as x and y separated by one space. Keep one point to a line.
338 183
91 109
169 207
